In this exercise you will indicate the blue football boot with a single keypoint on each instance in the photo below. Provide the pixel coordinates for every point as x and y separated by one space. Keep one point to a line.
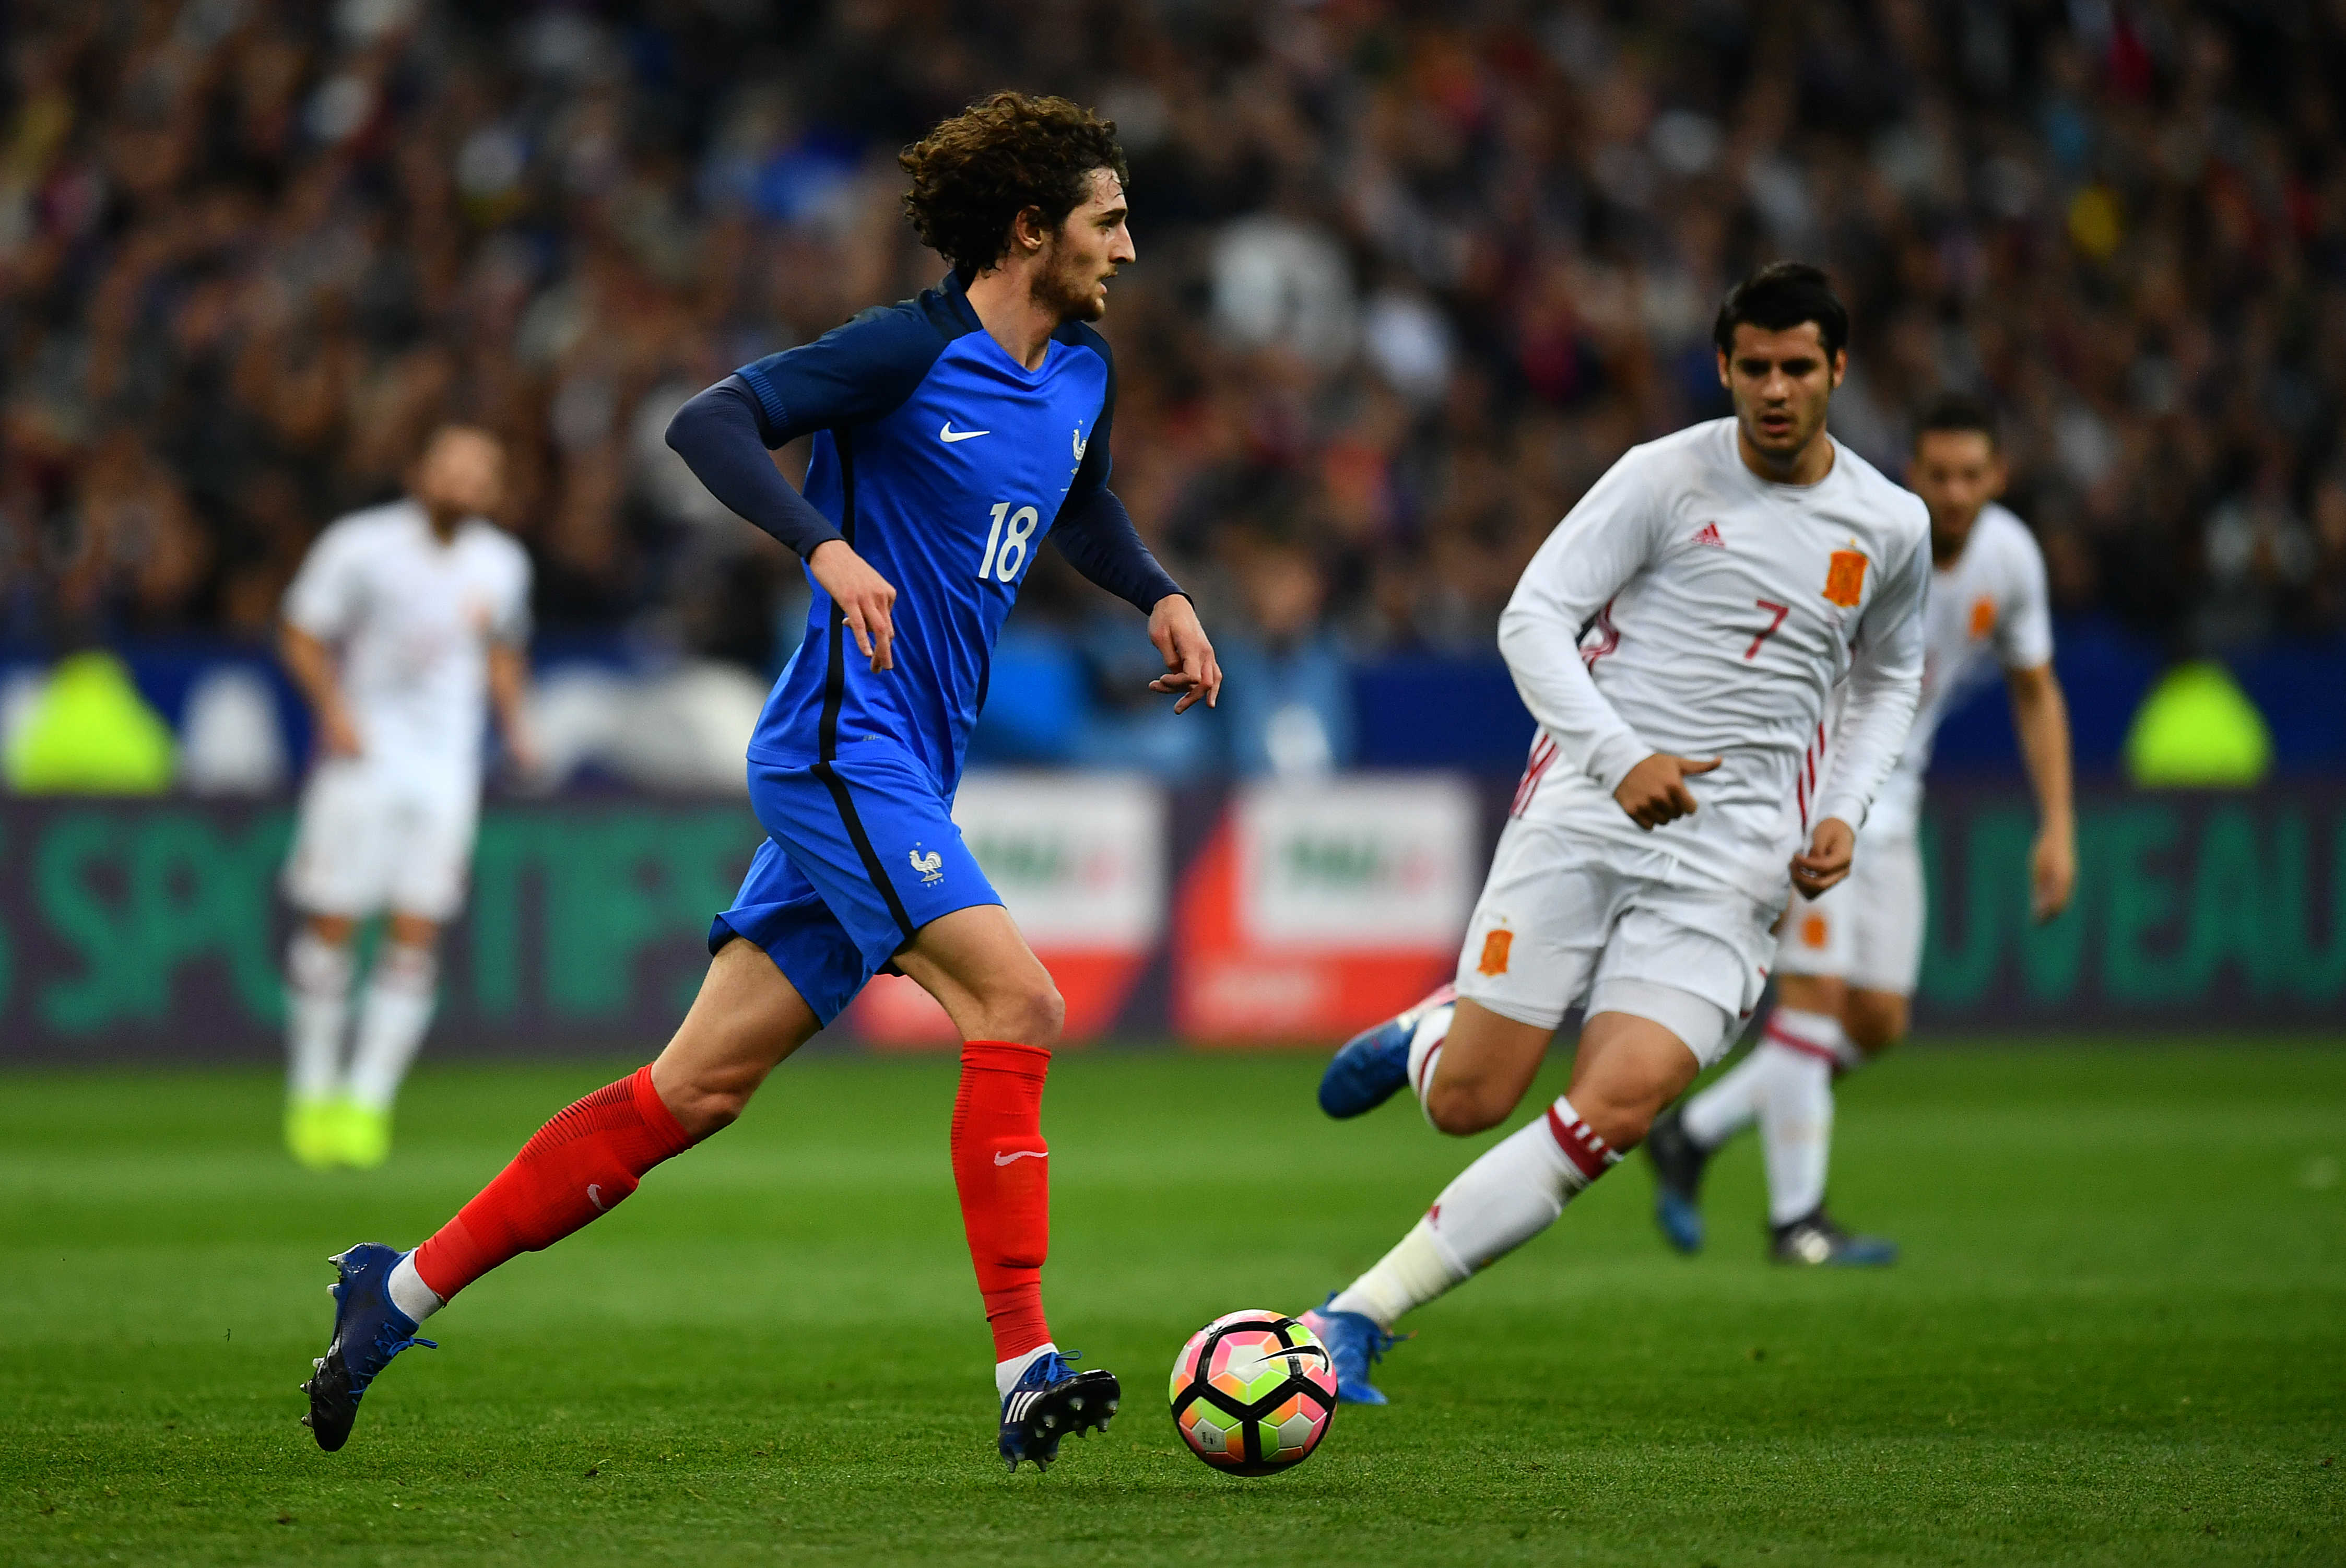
368 1332
1678 1161
1815 1239
1374 1062
1354 1342
1049 1400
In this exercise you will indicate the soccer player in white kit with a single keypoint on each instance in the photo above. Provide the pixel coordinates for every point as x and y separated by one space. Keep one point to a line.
1847 964
404 624
1678 638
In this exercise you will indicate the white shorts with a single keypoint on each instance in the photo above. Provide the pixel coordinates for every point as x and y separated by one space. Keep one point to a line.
370 840
1867 932
1566 917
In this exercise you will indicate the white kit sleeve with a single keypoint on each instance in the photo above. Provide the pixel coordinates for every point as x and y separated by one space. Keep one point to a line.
512 625
1883 685
2023 633
324 594
1601 544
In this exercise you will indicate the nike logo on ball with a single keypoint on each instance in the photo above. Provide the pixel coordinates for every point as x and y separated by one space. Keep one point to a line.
1023 1155
948 435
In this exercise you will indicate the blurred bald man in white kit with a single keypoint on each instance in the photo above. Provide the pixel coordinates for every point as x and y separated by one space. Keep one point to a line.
406 623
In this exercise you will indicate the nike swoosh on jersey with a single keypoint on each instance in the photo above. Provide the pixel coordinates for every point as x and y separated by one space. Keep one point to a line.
948 435
1022 1155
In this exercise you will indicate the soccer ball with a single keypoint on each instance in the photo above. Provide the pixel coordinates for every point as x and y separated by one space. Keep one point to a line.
1253 1393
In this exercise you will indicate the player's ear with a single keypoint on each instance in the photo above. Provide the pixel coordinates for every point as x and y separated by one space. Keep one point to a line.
1721 354
1027 233
1840 368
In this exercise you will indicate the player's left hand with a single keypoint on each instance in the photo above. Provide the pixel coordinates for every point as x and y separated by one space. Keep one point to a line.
2052 871
1830 849
1190 667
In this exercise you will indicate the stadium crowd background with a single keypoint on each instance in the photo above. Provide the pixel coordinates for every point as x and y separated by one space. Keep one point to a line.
1411 276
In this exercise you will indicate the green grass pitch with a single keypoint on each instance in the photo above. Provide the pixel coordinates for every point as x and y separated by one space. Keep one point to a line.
2118 1336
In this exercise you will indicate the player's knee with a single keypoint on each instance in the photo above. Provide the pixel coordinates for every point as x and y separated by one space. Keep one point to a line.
701 1109
1028 1009
1463 1109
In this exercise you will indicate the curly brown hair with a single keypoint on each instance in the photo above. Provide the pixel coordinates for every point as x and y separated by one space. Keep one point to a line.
980 169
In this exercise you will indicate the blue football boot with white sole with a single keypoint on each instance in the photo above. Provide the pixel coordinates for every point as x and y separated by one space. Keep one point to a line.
1049 1400
368 1332
1354 1343
1678 1161
1372 1065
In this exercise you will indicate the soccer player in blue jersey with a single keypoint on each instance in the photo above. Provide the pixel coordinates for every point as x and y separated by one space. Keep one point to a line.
953 433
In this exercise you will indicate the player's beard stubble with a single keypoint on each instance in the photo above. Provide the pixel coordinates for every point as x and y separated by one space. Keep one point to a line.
1069 285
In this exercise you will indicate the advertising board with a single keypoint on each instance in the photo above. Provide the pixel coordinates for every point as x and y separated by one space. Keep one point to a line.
1318 907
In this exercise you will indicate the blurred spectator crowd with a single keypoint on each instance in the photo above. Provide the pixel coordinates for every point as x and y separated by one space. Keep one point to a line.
1411 276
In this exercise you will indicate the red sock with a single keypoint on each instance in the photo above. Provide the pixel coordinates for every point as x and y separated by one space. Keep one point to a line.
577 1166
1001 1168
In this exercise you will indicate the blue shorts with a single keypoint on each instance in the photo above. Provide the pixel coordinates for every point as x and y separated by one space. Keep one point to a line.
860 853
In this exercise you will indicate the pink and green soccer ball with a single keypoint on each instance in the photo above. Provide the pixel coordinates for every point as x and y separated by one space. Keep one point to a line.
1253 1393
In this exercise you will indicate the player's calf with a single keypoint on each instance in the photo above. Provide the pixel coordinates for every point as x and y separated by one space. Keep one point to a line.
1473 1079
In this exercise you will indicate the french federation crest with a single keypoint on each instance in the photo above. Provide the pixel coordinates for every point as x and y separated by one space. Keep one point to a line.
931 866
1080 444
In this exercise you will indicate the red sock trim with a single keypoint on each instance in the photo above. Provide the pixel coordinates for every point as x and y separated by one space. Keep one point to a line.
1778 1035
658 1120
1425 1069
1006 1056
1589 1154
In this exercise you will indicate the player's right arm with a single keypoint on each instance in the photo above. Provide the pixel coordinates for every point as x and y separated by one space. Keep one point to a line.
311 665
2040 717
319 605
850 375
1884 684
1603 543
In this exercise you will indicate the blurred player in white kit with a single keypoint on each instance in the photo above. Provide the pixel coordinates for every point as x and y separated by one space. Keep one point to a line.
405 622
1846 965
1679 638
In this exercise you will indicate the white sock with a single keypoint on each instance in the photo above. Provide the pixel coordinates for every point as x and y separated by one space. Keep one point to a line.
409 1293
317 1006
1501 1201
1425 1049
1796 1111
1008 1373
1414 1272
1729 1105
397 1011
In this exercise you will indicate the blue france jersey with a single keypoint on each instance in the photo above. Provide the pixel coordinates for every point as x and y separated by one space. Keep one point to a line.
944 462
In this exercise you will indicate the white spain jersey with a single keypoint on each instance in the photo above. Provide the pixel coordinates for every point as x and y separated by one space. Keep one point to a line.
1991 599
412 620
1687 606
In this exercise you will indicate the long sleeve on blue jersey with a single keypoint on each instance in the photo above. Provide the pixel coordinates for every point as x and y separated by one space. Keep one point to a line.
717 434
1096 536
853 374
